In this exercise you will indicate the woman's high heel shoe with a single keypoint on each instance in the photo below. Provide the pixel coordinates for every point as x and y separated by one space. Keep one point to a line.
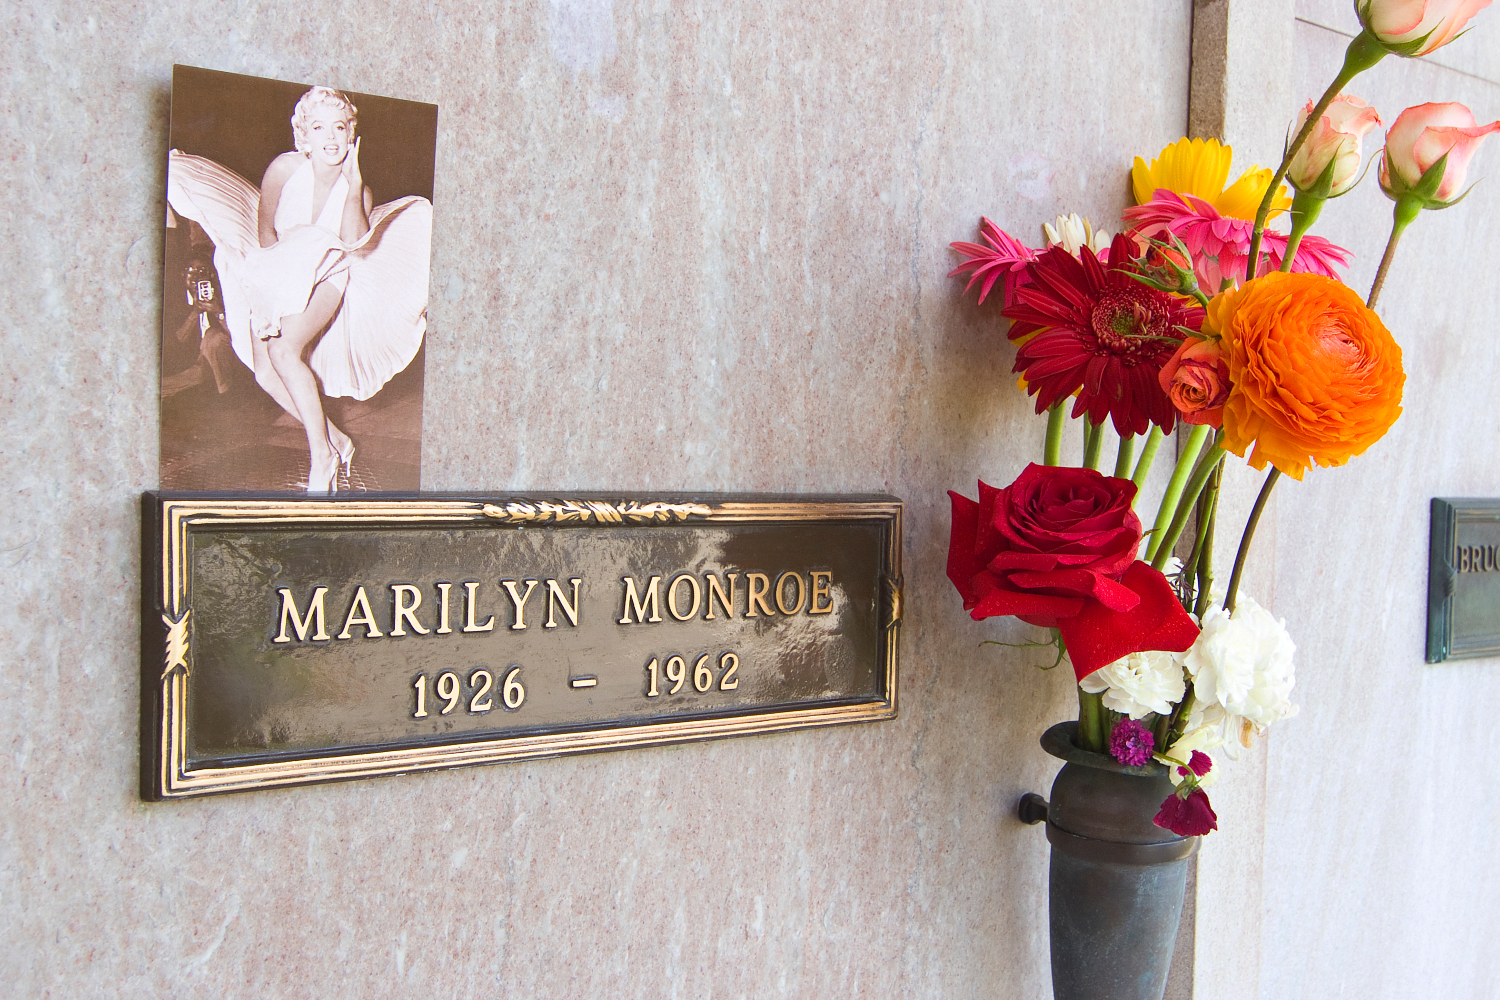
346 458
330 484
345 454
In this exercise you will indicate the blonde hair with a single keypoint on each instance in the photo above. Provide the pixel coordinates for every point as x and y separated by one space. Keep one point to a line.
320 97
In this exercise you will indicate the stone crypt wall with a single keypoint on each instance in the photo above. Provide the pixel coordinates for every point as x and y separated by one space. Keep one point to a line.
703 247
1380 795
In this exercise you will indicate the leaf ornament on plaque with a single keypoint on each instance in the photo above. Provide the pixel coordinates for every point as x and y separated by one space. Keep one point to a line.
177 644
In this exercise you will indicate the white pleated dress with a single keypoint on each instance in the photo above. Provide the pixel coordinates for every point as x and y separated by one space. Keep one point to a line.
379 325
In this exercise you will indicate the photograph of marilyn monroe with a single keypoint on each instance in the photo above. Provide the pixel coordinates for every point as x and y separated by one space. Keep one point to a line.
323 291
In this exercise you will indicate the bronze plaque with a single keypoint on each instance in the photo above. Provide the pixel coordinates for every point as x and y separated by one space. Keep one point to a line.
290 640
1463 579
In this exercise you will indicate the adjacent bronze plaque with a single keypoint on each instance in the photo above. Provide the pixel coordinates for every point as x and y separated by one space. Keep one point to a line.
292 640
1463 579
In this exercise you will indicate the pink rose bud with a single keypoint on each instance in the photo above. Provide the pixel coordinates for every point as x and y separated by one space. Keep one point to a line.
1334 139
1425 134
1416 27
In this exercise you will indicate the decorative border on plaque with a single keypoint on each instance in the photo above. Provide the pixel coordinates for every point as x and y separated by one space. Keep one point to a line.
1446 562
593 511
169 521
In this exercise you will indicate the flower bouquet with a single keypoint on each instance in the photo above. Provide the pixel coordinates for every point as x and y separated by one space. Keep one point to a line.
1195 314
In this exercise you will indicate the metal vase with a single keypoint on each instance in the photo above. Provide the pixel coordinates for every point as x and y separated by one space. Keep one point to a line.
1117 879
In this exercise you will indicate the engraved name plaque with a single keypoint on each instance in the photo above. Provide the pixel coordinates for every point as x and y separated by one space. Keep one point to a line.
1463 579
290 640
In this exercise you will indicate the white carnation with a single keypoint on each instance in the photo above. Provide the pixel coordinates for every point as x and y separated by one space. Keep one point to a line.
1140 683
1242 665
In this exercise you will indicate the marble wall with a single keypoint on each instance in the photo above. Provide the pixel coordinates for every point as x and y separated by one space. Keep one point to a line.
1380 878
678 245
699 246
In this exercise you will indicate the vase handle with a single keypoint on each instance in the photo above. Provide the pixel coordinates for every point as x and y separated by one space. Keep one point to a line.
1031 809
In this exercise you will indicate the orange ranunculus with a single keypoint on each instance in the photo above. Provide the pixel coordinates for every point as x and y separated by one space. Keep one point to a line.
1315 376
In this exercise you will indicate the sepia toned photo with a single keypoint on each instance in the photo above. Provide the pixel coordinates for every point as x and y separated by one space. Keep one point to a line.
295 286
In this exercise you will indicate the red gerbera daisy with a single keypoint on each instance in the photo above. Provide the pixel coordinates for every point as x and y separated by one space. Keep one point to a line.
1101 332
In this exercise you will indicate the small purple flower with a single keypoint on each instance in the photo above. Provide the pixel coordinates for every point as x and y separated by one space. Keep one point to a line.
1131 743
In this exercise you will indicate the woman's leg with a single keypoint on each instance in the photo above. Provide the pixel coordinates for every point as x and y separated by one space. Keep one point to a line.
267 379
287 354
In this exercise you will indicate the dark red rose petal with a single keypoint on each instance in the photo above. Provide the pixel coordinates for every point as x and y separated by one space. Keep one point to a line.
963 562
1034 562
1097 636
1045 610
992 503
1110 593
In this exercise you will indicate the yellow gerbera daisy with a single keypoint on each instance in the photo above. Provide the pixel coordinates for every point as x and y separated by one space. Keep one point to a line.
1200 167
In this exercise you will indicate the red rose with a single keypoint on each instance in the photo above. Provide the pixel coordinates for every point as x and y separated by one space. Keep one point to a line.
1057 549
1038 548
1189 817
1197 380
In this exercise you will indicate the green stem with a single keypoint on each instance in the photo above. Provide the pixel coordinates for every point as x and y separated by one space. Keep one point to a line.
1093 443
1305 209
1159 730
1207 520
1052 451
1195 569
1090 721
1148 456
1180 717
1124 456
1108 720
1212 456
1244 552
1363 52
1170 499
1407 211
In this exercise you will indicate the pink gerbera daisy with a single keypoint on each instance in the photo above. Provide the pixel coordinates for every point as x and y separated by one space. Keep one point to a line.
1220 244
1003 256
